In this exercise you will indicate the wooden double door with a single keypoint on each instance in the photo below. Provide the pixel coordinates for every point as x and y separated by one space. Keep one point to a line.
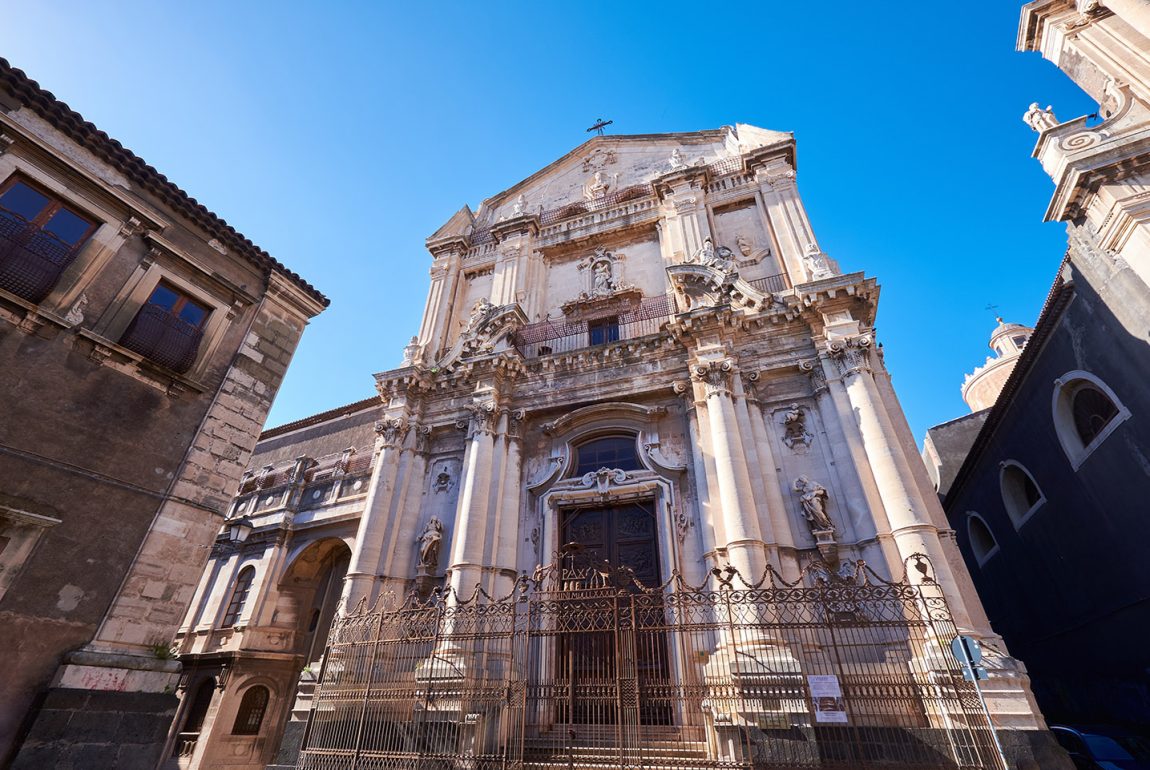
615 656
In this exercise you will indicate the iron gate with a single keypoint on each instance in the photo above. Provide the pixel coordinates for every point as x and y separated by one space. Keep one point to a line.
584 667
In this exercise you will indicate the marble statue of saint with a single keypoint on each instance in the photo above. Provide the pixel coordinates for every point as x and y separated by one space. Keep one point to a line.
677 162
813 497
1040 119
479 313
816 263
520 206
602 281
430 541
596 186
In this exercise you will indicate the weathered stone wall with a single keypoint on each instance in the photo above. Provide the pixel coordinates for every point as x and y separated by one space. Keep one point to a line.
87 729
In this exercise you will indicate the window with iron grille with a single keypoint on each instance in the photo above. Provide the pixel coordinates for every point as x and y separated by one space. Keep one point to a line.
251 713
168 328
607 452
39 237
239 596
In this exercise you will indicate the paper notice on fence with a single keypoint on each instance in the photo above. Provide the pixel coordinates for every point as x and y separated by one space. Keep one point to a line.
828 699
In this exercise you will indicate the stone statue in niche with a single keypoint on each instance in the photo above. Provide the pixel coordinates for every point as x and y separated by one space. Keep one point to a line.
1040 119
601 284
602 274
814 498
795 427
430 541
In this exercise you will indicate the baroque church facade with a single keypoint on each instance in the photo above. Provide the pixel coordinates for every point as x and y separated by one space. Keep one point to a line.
638 357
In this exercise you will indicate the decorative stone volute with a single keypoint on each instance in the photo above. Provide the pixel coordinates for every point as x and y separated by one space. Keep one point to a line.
851 355
482 416
716 376
391 431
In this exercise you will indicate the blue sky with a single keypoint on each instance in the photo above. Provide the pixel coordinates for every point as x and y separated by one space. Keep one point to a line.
340 135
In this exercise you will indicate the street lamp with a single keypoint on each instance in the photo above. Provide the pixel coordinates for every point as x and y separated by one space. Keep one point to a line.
239 529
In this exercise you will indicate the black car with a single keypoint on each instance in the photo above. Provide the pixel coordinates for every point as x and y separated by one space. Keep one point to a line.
1103 748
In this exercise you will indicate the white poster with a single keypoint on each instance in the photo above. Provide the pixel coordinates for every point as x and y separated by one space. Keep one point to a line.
828 698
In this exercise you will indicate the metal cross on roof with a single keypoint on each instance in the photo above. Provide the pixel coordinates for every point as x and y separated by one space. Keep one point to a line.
600 124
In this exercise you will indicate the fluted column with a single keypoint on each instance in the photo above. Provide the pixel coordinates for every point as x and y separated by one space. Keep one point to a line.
506 502
910 520
472 511
742 532
390 477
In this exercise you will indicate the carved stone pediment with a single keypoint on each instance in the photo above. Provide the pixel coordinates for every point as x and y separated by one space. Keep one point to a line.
699 286
597 307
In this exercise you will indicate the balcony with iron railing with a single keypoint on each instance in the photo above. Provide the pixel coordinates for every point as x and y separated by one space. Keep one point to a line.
163 338
31 258
550 337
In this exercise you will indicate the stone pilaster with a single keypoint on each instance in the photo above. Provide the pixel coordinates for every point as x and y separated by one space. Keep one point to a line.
684 225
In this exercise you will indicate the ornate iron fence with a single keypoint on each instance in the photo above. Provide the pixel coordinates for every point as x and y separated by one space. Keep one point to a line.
584 667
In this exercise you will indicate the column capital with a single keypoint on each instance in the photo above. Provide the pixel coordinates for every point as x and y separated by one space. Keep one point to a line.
814 369
391 431
716 376
851 354
480 418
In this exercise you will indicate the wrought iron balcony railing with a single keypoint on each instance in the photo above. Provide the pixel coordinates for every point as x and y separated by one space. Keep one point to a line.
163 338
548 337
31 259
771 284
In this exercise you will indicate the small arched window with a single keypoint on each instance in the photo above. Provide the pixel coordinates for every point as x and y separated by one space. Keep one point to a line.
607 452
1086 411
251 714
982 542
1020 493
1092 410
239 596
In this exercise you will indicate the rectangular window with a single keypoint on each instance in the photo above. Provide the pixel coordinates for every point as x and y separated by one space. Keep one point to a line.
39 237
168 328
603 330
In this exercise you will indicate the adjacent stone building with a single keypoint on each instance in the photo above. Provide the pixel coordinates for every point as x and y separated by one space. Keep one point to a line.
639 356
1048 505
142 340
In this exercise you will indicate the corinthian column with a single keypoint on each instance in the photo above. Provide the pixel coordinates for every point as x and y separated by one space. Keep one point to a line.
472 516
741 528
397 467
910 519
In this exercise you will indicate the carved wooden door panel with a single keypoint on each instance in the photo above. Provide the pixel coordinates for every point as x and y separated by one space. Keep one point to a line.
621 650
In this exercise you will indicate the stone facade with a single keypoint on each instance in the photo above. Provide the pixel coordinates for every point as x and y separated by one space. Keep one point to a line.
1045 503
666 292
143 340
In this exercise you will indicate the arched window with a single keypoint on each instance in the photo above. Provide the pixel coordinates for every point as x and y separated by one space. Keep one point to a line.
239 596
982 542
1086 411
1020 493
251 713
1092 410
607 452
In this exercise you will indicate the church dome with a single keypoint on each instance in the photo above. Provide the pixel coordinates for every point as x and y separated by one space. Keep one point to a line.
981 387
